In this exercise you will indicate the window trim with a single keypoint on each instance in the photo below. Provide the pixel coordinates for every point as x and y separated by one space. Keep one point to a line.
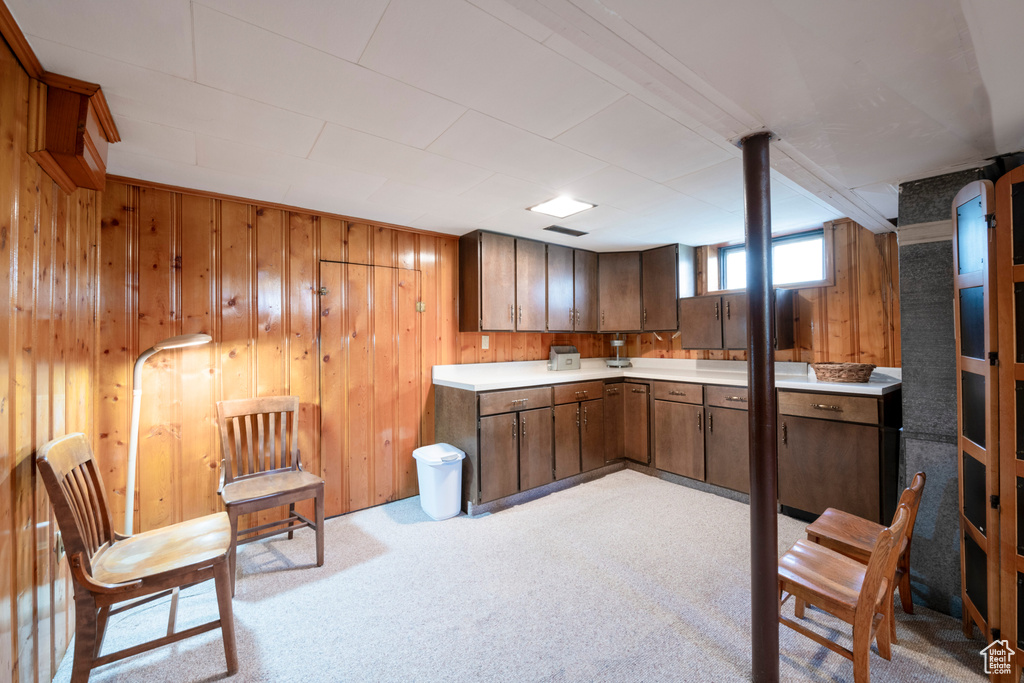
717 253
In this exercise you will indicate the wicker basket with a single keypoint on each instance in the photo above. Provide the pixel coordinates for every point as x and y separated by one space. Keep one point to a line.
842 372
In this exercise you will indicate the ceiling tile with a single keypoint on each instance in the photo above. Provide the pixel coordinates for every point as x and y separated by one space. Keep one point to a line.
503 10
371 212
479 139
505 192
156 140
146 95
251 62
183 175
619 188
156 34
338 27
331 181
883 196
640 139
358 151
722 185
796 213
509 76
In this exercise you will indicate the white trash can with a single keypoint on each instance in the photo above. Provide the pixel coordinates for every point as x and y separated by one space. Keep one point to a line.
439 468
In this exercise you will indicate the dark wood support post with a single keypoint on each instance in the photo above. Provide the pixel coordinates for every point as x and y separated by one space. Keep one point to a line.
764 530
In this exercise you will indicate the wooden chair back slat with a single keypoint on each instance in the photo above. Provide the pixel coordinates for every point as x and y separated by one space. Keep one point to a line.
73 483
882 565
258 435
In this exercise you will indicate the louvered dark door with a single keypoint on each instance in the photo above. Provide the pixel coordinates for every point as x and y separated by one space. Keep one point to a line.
977 385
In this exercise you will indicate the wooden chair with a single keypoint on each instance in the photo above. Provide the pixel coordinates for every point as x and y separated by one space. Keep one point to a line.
108 568
855 537
261 469
856 593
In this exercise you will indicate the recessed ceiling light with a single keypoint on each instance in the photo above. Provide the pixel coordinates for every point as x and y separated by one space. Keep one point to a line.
560 207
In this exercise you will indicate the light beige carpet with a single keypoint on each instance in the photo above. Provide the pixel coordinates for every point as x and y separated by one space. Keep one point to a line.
626 578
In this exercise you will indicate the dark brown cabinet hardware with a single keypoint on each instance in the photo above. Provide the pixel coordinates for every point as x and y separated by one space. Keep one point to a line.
728 311
823 406
513 426
639 390
711 422
698 422
676 392
577 415
736 399
523 421
584 416
716 311
612 391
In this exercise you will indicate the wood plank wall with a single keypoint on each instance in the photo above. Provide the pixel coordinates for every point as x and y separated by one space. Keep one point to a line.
48 283
855 320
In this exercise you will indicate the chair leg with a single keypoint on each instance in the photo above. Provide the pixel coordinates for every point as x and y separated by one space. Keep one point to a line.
101 628
884 637
85 638
233 516
891 616
319 503
906 597
291 513
224 585
798 607
862 653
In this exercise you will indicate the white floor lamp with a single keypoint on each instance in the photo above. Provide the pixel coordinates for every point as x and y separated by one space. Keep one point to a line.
133 439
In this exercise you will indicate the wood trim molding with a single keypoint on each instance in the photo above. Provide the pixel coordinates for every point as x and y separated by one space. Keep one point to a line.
95 94
19 43
271 205
920 233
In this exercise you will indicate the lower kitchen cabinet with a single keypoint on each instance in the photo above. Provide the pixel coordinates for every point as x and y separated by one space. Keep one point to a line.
568 419
536 466
579 428
614 417
727 448
499 455
592 435
635 422
679 438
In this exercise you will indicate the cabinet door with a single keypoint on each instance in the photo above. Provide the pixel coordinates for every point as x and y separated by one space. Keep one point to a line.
619 292
585 290
635 423
734 321
567 440
561 311
727 448
497 281
531 285
536 457
614 419
700 322
679 438
825 464
660 288
499 461
592 434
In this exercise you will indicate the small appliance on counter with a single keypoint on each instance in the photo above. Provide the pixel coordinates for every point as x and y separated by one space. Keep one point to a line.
618 362
564 358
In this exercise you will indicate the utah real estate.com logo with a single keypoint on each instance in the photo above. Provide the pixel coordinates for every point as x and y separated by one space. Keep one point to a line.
997 657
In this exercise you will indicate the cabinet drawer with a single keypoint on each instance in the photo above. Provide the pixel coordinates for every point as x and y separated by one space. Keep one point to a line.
837 407
726 397
678 392
578 391
514 400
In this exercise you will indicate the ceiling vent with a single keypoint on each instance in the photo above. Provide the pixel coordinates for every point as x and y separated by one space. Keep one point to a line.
565 231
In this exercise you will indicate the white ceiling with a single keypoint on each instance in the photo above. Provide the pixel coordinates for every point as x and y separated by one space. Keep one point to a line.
452 115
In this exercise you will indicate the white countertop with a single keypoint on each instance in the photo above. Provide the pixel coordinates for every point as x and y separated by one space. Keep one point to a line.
491 376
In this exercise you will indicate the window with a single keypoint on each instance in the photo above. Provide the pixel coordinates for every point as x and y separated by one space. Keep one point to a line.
795 258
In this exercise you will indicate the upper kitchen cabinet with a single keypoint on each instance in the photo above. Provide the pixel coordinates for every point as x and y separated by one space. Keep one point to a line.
660 287
487 277
719 321
618 275
572 290
531 285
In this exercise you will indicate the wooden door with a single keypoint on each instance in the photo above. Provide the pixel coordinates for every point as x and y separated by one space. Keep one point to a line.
618 276
727 448
823 464
614 420
1009 266
536 456
660 285
977 395
679 438
592 435
734 321
585 290
561 308
635 423
567 440
369 385
497 282
700 322
499 456
531 286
